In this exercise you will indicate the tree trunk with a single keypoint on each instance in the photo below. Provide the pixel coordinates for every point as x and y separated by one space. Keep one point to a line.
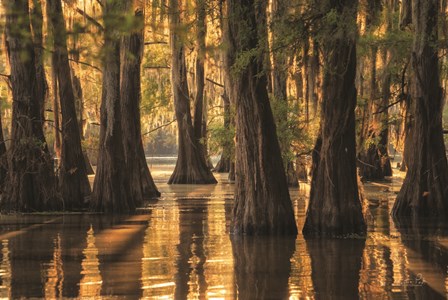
279 78
306 78
298 76
313 76
3 157
383 118
262 202
37 21
141 181
191 167
111 189
227 156
371 157
405 13
79 103
56 123
425 188
223 166
334 207
201 31
370 167
73 181
298 79
386 56
232 171
31 184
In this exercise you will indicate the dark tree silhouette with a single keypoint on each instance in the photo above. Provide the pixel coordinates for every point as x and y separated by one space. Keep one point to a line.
334 206
374 159
141 182
262 266
3 157
37 20
73 181
330 257
262 201
111 189
280 76
425 188
30 184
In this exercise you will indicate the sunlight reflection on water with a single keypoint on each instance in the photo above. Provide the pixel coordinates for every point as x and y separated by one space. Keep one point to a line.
180 248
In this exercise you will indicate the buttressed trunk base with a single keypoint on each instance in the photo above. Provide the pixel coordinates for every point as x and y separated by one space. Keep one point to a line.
335 207
262 202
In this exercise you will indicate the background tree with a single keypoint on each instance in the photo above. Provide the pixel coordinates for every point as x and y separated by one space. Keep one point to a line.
111 188
30 185
374 162
3 157
279 82
191 166
334 206
57 144
141 182
262 202
369 156
37 21
425 188
73 182
226 162
199 123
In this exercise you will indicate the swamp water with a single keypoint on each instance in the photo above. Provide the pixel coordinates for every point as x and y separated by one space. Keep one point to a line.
180 248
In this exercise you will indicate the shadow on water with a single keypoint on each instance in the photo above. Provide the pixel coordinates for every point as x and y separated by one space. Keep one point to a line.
119 242
72 256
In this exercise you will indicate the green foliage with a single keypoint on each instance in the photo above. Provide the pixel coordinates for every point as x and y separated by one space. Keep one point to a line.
221 138
334 25
243 59
294 135
397 41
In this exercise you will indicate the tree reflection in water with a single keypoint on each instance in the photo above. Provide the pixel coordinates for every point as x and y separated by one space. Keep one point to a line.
427 257
90 284
336 264
31 253
5 271
190 280
262 266
180 248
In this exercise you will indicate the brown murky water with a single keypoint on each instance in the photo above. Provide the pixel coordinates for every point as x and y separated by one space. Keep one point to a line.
180 248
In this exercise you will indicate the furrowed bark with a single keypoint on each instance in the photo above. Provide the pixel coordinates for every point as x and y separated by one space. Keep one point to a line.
191 166
335 207
111 189
425 189
262 204
30 185
141 181
73 181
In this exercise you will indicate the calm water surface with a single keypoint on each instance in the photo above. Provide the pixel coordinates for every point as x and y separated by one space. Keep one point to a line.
180 248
